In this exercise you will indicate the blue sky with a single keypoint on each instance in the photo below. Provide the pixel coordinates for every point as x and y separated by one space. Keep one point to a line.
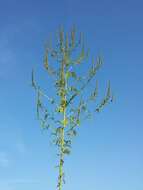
107 153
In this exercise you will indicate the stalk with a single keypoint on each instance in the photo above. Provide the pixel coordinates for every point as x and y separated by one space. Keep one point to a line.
62 138
61 173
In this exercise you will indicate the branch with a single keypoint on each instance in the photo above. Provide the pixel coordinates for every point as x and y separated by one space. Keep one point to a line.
92 73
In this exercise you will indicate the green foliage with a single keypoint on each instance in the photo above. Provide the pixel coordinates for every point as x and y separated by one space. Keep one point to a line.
106 99
70 107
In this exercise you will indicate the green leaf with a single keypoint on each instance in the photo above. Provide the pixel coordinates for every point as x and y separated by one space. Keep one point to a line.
60 109
74 132
68 74
94 93
33 82
105 99
73 37
78 122
46 64
66 151
58 130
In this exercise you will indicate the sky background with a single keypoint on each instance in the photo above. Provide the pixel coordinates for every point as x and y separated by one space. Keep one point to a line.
107 154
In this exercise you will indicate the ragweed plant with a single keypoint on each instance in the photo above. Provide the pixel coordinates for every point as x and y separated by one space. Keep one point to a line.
62 114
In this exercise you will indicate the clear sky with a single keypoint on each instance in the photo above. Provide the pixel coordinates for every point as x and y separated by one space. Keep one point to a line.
107 154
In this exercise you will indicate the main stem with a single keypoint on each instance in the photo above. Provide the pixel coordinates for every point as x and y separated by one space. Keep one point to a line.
61 173
61 162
